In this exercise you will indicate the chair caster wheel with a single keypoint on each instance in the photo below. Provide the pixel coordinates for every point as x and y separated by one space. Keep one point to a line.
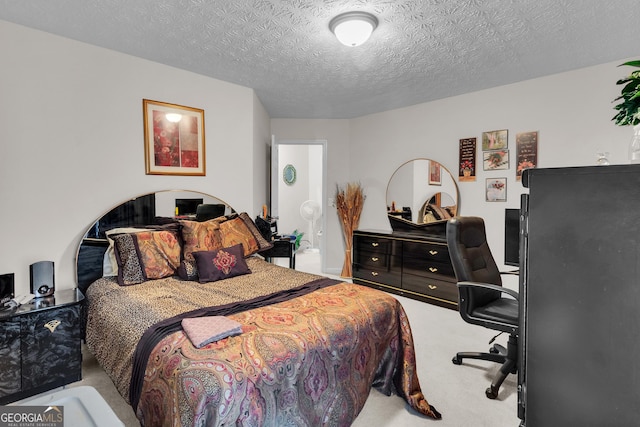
456 360
491 393
494 350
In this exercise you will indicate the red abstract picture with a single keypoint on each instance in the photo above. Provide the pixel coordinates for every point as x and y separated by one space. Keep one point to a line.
174 139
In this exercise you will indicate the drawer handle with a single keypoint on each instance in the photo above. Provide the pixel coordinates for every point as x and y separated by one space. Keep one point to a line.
375 245
375 259
433 269
373 273
52 325
432 252
432 287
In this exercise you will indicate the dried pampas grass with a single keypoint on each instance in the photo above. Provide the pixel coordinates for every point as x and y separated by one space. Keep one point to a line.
349 202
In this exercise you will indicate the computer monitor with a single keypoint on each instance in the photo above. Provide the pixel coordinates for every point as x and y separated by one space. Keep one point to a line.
512 237
187 206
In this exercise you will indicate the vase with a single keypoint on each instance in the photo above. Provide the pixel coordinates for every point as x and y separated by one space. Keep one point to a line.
634 146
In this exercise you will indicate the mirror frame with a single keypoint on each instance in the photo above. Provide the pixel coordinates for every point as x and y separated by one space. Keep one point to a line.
401 224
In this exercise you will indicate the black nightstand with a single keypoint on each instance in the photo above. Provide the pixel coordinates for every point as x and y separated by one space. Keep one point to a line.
282 249
40 345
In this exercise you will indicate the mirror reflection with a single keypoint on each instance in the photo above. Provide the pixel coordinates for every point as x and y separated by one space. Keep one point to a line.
156 208
421 191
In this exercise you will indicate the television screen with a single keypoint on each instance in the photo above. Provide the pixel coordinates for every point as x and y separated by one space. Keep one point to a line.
512 237
6 287
187 206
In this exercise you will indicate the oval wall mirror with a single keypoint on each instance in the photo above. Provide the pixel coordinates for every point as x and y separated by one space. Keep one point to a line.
420 192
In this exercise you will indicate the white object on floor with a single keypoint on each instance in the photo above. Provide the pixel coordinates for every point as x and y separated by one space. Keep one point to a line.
83 407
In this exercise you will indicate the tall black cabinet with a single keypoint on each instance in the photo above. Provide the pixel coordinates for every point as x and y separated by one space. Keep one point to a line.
580 291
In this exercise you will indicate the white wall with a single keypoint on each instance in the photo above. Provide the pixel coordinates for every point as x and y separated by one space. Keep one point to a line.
72 142
572 112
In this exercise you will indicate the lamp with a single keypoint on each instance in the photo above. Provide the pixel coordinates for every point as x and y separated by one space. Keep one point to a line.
353 28
173 117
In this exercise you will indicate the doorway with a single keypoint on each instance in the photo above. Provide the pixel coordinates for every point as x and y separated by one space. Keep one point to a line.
299 193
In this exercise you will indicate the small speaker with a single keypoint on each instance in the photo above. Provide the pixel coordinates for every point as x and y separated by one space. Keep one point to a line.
42 278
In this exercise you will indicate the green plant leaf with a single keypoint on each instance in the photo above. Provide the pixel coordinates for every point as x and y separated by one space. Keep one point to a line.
631 63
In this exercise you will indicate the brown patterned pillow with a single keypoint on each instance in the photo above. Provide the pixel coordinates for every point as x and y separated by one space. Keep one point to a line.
200 236
235 231
146 255
159 253
263 244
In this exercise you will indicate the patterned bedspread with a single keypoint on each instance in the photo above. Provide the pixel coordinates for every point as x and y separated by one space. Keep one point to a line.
308 361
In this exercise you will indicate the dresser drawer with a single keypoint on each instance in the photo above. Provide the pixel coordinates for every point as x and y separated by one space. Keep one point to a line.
427 251
373 244
427 268
373 260
439 289
389 276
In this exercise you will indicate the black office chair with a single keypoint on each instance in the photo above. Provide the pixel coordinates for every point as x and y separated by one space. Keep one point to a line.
205 212
482 298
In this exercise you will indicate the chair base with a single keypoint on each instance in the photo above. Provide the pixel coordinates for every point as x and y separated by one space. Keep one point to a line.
508 357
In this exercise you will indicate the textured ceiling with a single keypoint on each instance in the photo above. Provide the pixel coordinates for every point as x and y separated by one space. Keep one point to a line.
422 50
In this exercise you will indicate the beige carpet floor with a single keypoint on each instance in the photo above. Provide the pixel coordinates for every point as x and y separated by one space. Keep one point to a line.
456 391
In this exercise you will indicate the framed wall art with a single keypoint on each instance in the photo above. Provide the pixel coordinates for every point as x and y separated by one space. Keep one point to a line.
435 173
495 160
174 141
496 189
467 160
495 140
526 152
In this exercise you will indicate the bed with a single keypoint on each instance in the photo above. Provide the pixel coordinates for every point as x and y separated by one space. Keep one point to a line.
306 350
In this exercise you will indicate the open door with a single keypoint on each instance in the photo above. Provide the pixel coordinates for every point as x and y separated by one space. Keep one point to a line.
298 181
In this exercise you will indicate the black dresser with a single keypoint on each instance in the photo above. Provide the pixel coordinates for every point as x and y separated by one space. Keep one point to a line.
40 345
412 265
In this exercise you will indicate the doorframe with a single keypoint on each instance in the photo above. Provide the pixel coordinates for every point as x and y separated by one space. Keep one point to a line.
275 182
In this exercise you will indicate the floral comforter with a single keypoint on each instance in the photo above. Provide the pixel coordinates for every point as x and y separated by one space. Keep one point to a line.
309 361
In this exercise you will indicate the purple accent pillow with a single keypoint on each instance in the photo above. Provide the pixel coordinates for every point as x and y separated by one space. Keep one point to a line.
221 264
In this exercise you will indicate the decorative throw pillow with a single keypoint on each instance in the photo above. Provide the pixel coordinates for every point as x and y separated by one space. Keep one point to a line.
200 236
159 253
110 264
263 243
235 231
221 264
129 268
146 255
204 330
188 270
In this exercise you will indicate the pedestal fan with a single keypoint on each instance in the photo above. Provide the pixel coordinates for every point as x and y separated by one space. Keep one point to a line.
311 211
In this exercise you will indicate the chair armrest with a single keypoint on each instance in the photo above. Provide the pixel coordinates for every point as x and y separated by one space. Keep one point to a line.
502 289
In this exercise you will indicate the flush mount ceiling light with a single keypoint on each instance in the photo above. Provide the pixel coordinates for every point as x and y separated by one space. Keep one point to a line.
353 28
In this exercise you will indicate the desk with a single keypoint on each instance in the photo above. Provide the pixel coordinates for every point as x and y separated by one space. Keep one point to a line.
282 249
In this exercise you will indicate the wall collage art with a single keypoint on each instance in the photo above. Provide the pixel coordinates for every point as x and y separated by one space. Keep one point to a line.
495 157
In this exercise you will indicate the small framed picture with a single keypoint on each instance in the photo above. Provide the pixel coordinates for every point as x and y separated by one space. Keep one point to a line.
173 139
495 139
496 189
435 173
495 160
